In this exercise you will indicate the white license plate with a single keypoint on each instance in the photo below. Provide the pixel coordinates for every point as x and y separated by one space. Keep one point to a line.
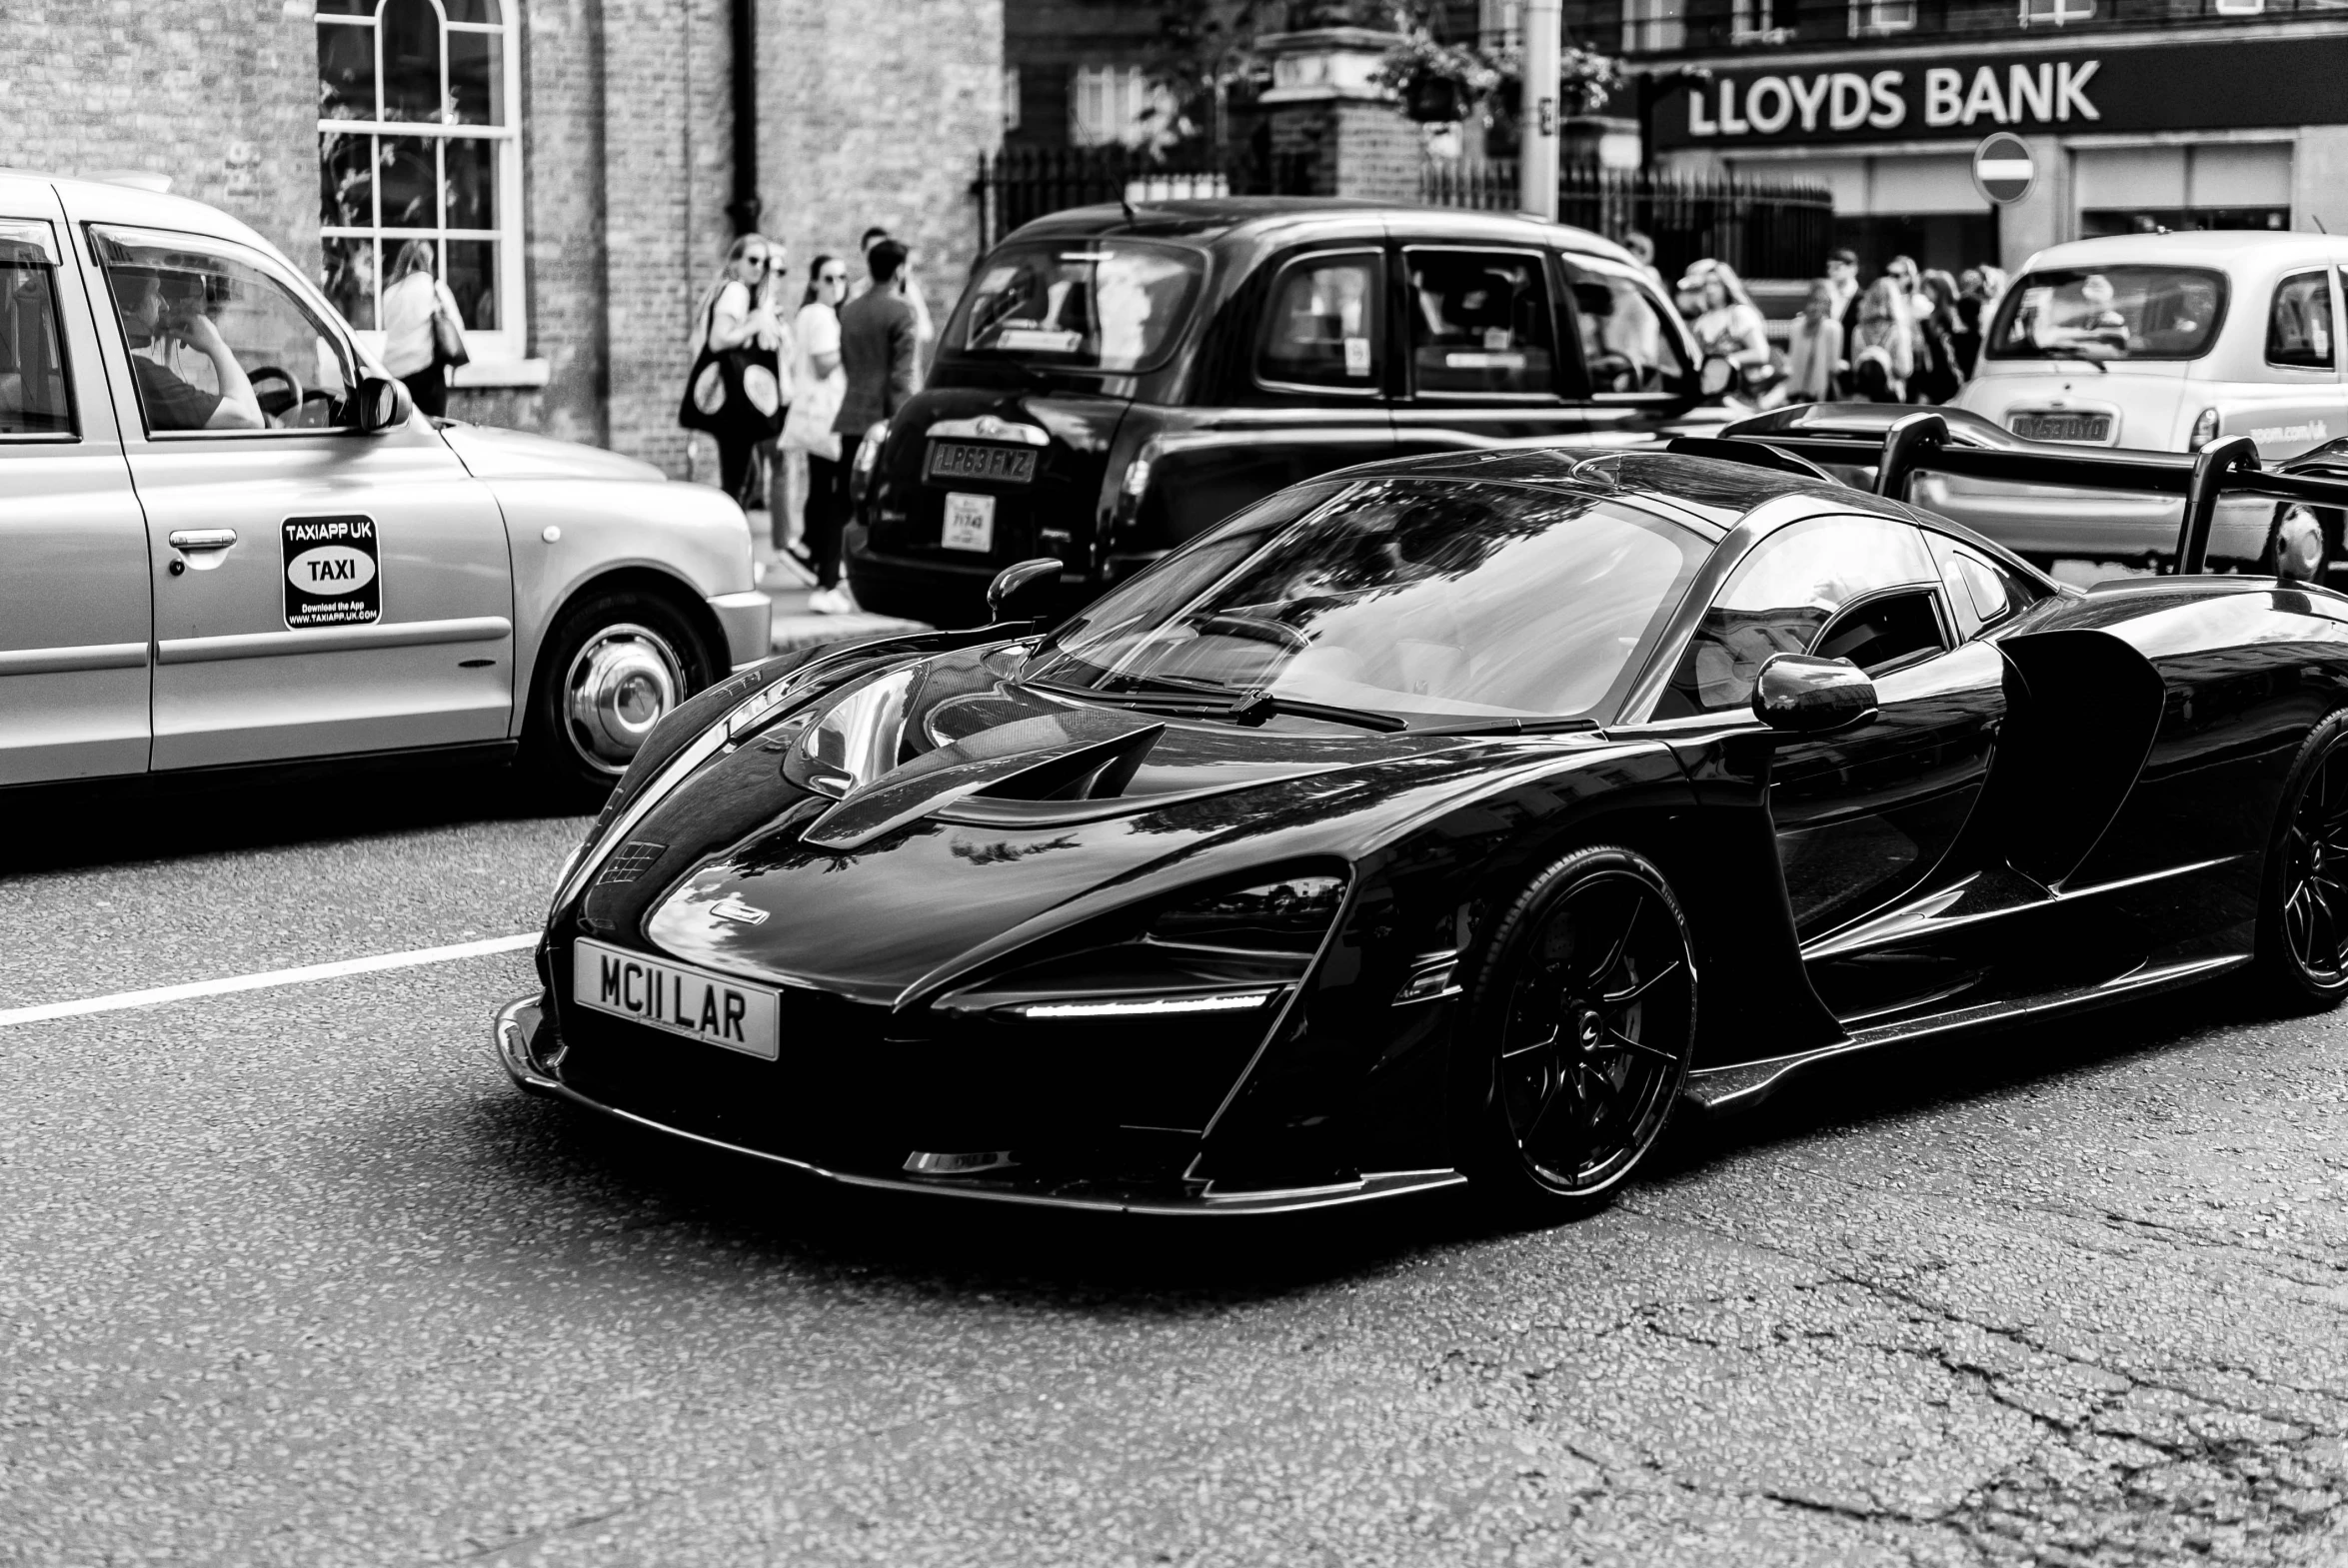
969 523
692 1003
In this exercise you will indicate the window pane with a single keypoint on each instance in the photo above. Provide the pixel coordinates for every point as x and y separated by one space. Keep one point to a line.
2299 331
410 183
1479 322
346 7
183 308
471 199
346 73
346 180
411 60
1324 326
1784 593
474 11
1625 345
477 79
347 280
473 276
34 397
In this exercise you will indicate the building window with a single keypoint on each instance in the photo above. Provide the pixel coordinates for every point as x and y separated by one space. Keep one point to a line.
1118 104
1872 18
2237 7
1762 21
1652 26
1011 96
419 139
2055 13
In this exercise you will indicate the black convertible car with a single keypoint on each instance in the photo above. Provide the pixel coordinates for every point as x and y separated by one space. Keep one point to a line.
1446 818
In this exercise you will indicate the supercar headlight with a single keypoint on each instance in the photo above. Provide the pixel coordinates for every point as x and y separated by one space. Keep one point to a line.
1289 915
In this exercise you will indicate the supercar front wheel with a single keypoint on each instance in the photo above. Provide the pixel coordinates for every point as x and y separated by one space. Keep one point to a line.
2303 904
1584 1019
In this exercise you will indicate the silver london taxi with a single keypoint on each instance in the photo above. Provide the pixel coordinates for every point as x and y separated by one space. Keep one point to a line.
227 538
2166 342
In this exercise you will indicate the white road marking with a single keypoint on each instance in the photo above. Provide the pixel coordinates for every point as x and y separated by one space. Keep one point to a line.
252 983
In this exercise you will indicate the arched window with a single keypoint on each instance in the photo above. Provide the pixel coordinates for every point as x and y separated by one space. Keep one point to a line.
419 139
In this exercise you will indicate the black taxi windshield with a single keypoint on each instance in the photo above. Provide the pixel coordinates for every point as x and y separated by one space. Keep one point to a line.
1395 596
1105 305
2110 313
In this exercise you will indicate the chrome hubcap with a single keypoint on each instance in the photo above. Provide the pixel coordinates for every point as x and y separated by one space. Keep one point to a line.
622 683
2299 545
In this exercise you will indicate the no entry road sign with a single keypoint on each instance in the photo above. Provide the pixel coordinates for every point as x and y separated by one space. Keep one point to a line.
2003 168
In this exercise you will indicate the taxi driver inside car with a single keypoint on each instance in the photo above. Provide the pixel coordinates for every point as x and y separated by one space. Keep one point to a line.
152 324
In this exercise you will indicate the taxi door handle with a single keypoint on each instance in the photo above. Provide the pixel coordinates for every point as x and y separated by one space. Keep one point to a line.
202 538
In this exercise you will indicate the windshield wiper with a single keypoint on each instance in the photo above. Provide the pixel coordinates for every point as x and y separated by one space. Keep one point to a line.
1513 726
1248 708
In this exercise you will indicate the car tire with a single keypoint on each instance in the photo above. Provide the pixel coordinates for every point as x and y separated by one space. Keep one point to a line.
1581 1024
2301 961
2299 545
615 665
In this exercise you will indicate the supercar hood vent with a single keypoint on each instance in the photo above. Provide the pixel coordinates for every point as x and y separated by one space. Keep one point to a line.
1081 756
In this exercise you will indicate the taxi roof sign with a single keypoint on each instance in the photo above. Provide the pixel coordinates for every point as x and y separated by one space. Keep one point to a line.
2003 170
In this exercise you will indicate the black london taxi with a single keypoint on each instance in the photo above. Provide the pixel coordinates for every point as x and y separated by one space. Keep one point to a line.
1117 379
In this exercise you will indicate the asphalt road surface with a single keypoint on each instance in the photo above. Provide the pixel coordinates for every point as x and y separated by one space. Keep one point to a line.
290 1276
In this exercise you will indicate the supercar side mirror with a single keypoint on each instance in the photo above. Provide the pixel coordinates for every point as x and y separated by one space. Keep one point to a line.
381 403
1716 377
1023 590
1798 695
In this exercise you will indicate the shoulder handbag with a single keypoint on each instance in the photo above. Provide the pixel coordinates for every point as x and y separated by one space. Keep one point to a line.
448 337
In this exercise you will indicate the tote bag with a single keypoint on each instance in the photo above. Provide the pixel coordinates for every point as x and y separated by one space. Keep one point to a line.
734 394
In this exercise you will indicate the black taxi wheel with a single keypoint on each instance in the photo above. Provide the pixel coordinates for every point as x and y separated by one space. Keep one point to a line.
2302 954
614 667
1584 1021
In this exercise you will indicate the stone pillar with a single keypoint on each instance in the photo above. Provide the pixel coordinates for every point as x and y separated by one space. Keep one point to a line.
2319 179
1334 129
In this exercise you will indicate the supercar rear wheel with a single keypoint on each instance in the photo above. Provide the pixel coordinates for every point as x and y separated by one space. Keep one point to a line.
2303 906
1585 1010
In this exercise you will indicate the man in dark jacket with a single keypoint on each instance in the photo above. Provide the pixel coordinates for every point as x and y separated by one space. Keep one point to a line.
880 357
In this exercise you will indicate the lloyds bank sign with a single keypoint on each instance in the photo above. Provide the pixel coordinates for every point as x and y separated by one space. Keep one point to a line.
2210 84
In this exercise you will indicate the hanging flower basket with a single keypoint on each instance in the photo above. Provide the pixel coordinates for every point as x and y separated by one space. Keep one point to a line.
1433 100
1437 83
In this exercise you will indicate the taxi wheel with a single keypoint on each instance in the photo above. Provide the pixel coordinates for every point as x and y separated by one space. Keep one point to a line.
614 667
2298 549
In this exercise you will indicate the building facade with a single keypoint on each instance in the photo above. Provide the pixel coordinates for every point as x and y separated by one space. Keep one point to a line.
2137 114
579 166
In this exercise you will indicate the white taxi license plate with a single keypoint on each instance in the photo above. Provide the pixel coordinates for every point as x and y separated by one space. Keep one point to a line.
969 523
692 1003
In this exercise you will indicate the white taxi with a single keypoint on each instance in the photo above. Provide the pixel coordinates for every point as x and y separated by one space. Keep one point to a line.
227 538
2163 342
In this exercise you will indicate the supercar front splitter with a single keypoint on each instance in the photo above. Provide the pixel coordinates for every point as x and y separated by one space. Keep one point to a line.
522 1026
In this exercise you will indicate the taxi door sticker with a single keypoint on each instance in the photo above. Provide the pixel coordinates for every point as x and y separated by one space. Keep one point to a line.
330 572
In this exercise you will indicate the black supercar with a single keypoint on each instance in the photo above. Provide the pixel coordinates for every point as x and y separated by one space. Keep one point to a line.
1454 818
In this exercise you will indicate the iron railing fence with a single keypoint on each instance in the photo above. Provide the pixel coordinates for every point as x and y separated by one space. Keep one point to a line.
1021 184
1704 25
1763 230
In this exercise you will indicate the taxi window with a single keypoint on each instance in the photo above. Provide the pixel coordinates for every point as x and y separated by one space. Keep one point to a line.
2299 328
1324 329
216 341
1627 346
1781 598
35 398
1479 322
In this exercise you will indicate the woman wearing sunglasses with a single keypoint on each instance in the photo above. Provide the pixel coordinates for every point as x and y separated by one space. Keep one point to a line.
820 384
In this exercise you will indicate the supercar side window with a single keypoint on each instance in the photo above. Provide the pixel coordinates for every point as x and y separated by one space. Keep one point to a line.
1979 593
1783 595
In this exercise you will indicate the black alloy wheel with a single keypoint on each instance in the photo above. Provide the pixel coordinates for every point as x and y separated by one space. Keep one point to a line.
2303 910
2298 548
615 664
1585 1013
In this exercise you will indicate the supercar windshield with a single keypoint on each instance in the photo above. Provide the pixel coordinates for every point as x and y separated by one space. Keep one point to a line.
1399 597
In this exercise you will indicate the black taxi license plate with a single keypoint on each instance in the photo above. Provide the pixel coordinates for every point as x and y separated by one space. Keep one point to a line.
971 460
696 1003
2064 427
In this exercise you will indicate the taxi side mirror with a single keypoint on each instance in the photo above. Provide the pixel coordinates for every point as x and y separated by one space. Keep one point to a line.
1023 590
1798 694
380 404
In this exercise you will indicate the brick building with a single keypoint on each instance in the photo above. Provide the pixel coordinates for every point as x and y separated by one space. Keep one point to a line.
576 160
